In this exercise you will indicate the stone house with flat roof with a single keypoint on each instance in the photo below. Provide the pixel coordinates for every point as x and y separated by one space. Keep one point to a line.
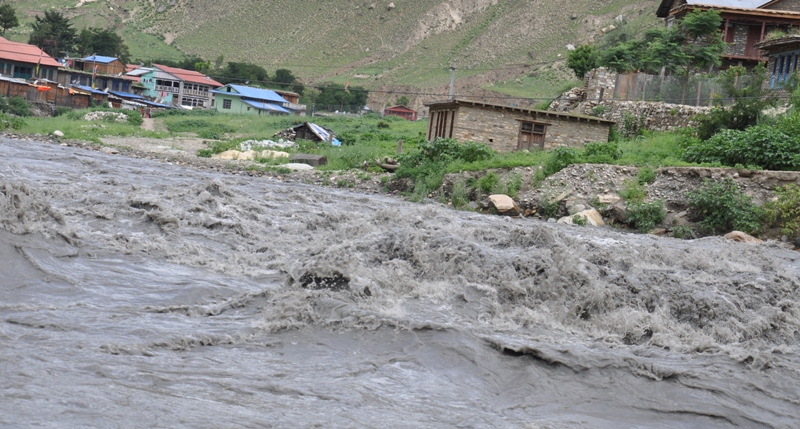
506 128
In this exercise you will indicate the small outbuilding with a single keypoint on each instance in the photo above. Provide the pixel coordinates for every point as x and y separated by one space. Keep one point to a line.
309 131
401 111
783 55
507 128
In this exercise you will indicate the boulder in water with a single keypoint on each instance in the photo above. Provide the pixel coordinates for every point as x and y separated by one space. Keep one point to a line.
591 216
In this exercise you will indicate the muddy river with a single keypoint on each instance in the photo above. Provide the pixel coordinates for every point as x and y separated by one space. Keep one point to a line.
135 293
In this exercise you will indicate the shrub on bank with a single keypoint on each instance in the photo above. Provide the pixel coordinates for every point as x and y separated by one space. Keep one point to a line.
720 206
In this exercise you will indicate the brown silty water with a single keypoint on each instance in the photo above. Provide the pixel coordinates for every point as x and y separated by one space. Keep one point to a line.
134 293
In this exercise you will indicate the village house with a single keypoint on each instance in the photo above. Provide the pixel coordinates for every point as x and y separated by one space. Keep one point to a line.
24 61
505 128
745 23
401 111
106 73
294 101
177 87
250 101
782 55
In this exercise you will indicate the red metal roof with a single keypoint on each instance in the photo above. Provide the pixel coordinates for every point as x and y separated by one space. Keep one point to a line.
25 53
189 75
399 108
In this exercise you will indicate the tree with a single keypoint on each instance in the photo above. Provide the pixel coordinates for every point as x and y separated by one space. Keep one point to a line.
53 33
286 80
8 17
335 96
243 74
702 45
748 101
98 41
582 60
401 101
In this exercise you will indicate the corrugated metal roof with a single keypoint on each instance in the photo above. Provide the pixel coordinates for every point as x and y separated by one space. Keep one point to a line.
266 106
89 89
126 95
100 59
320 132
25 53
188 75
140 71
257 93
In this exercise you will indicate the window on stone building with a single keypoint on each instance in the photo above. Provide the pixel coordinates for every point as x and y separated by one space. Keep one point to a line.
226 104
531 136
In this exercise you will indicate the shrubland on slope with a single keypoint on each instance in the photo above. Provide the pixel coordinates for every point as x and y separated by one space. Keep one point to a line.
516 47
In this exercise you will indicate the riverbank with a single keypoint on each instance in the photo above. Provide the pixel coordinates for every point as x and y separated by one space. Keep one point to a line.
574 189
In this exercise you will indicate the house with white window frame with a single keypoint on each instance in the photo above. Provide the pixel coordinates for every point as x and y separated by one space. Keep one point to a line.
178 87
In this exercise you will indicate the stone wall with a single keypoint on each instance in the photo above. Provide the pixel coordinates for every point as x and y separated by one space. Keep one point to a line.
599 84
739 39
793 5
499 129
649 115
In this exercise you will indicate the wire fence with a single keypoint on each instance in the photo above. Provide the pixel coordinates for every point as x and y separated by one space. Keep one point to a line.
700 90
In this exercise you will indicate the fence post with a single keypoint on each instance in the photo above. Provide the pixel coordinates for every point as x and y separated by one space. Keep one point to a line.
699 88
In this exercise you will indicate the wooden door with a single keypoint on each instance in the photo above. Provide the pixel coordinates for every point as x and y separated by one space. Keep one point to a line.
531 136
753 37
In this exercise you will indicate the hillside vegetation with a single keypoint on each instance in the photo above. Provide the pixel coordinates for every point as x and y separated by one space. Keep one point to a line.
516 47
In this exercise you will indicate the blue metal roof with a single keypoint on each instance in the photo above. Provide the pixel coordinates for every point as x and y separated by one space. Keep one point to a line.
126 95
89 89
99 59
266 106
257 93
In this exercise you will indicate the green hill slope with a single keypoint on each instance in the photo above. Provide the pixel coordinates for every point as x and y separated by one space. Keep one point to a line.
495 45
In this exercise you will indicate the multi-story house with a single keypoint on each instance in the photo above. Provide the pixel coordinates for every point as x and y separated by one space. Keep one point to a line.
178 87
745 23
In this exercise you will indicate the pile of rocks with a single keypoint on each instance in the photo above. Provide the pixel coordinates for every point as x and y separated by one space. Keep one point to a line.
568 101
100 116
280 144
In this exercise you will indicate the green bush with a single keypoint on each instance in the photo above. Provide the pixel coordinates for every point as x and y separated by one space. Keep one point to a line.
602 153
682 231
645 175
559 159
784 211
12 122
61 110
548 208
203 128
762 145
598 110
579 220
633 192
460 194
645 216
720 206
17 106
487 183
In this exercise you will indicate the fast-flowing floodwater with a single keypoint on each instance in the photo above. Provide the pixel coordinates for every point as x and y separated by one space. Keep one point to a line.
135 293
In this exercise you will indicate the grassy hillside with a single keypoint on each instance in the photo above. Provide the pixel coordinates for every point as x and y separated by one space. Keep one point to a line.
515 47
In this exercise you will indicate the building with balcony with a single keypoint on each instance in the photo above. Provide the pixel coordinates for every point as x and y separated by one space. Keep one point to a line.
177 87
744 23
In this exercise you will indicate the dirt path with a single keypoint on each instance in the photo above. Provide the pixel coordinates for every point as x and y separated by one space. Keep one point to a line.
149 124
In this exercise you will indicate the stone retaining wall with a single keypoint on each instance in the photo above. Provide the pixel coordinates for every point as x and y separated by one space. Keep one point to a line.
643 114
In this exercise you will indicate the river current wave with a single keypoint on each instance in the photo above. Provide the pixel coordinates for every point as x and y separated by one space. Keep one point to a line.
137 293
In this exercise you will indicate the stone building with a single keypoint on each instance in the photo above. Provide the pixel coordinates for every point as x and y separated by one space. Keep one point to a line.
745 23
783 55
505 128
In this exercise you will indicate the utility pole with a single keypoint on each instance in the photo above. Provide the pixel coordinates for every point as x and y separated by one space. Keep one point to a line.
452 80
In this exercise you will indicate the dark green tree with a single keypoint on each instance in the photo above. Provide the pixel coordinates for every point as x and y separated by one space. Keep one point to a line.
243 74
99 41
335 96
582 60
401 101
53 33
8 17
285 79
702 45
